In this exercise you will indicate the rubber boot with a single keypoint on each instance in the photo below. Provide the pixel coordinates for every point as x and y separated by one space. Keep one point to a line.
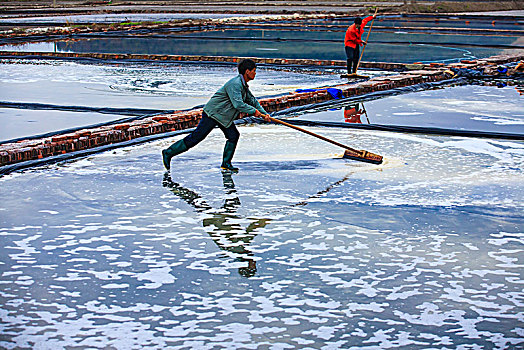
229 151
176 148
350 63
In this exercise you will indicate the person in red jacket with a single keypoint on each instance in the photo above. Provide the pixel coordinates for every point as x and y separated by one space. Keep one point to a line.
352 114
353 41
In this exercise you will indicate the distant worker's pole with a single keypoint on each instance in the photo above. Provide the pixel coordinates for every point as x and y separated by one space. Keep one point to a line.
367 38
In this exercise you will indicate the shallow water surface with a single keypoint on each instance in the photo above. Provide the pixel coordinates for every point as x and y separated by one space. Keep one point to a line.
130 85
488 22
300 250
466 107
19 123
390 51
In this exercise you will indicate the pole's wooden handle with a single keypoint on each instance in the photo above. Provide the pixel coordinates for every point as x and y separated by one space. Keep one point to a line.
313 134
367 38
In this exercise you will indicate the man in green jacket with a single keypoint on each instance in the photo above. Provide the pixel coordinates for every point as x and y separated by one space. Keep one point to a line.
221 110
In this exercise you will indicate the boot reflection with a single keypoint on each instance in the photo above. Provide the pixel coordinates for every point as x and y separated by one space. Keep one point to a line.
232 203
190 197
225 228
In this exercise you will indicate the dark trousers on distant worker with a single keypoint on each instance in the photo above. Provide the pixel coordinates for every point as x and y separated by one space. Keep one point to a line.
204 127
352 55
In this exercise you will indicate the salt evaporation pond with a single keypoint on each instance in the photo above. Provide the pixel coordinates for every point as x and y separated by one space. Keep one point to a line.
300 250
510 20
463 107
387 47
399 36
121 85
382 21
120 17
174 87
385 23
18 123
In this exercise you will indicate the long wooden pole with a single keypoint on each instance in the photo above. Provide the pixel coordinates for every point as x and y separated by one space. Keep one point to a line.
316 135
367 38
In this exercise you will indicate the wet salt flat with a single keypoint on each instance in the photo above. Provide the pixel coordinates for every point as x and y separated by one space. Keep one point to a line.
300 250
129 85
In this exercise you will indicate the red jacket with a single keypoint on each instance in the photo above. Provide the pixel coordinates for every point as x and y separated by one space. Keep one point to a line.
353 36
352 115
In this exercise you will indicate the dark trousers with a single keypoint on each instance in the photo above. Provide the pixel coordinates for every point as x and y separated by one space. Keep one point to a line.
352 54
203 129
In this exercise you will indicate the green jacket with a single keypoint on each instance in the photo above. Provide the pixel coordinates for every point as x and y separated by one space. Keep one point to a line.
230 100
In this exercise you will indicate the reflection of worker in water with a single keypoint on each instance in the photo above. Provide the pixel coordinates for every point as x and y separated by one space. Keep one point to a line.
353 41
221 110
227 233
353 113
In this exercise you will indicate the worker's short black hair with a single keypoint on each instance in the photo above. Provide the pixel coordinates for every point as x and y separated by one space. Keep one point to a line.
245 65
358 20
